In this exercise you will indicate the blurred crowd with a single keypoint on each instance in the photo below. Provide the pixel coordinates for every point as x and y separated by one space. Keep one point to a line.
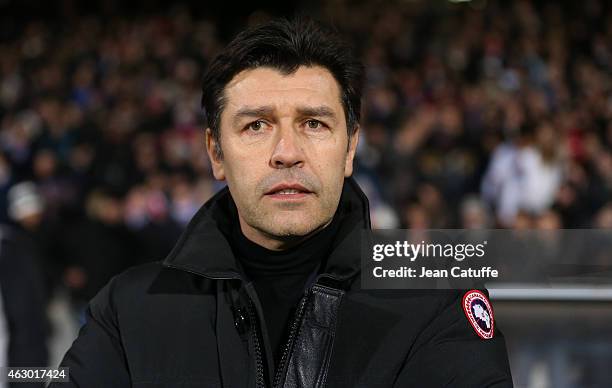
486 114
481 114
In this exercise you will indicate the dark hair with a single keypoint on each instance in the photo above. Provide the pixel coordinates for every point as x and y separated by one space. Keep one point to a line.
284 45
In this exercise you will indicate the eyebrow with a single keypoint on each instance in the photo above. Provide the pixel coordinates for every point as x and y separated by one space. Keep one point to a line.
318 111
267 110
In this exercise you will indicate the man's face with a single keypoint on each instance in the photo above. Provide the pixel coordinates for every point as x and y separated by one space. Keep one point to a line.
284 140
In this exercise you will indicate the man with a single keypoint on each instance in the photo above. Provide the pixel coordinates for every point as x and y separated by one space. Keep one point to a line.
24 327
23 324
262 289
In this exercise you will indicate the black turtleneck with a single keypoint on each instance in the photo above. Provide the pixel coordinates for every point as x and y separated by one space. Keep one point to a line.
279 277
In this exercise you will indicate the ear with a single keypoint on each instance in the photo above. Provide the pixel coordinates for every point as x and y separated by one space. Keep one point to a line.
216 160
350 155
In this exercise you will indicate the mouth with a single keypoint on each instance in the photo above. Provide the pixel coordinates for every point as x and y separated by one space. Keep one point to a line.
288 191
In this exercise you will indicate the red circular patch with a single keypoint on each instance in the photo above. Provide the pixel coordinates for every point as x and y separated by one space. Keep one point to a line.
479 312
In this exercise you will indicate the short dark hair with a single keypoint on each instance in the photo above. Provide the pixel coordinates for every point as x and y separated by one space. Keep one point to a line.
284 45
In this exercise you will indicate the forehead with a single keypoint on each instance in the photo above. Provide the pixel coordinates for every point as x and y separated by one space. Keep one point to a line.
267 86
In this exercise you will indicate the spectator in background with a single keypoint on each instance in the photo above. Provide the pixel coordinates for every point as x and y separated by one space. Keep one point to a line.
24 325
23 295
475 214
524 175
27 212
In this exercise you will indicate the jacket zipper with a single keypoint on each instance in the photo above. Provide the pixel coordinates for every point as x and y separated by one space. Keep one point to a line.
260 374
281 369
259 368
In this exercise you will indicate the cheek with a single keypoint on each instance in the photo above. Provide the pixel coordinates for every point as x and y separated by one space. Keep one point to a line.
241 174
331 161
330 171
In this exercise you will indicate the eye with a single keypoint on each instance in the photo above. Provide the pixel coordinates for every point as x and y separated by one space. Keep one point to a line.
256 126
314 124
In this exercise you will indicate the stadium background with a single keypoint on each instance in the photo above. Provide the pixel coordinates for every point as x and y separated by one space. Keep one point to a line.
477 114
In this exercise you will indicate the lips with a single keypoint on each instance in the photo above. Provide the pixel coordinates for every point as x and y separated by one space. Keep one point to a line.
288 189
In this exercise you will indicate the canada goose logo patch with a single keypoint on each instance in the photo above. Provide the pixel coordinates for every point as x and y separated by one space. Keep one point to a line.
479 313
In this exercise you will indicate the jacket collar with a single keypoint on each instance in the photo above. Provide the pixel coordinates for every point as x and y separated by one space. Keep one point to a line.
203 248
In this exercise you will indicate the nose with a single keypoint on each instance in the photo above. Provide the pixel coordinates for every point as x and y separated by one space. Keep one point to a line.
287 151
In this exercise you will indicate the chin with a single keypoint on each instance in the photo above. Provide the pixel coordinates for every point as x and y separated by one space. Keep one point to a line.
285 228
293 231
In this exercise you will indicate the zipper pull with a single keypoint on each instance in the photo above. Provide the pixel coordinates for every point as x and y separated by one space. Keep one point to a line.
241 321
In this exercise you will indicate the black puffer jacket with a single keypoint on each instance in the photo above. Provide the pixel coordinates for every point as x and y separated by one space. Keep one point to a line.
190 321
